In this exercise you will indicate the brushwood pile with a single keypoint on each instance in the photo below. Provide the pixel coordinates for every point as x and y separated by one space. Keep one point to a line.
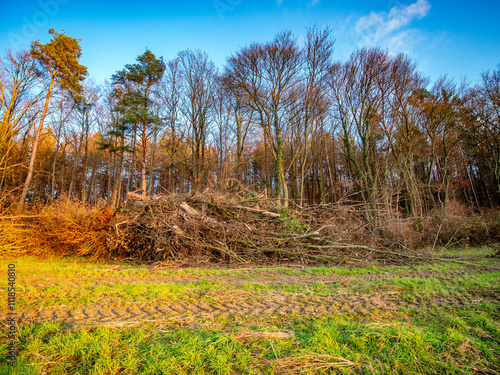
235 229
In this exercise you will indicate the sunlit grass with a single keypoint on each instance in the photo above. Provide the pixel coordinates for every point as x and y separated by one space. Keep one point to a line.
411 339
75 281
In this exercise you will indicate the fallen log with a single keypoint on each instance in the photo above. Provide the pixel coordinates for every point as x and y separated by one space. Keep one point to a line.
189 210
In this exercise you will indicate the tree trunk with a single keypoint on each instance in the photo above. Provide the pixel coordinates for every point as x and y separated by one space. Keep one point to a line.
144 182
278 169
22 199
115 199
144 144
75 164
85 159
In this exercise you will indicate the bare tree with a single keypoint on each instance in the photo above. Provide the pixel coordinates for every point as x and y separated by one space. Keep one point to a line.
199 88
65 107
480 128
356 102
268 74
171 95
84 116
318 51
18 77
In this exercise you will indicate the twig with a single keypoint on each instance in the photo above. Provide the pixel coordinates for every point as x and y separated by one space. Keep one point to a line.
20 217
451 238
294 237
281 251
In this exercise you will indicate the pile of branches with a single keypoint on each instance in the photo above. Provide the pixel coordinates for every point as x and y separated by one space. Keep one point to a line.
234 228
217 228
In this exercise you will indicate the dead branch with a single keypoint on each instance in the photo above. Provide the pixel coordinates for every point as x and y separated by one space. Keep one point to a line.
256 210
419 257
20 217
195 213
201 229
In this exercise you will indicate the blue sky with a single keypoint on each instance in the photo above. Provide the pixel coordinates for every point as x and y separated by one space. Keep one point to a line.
458 38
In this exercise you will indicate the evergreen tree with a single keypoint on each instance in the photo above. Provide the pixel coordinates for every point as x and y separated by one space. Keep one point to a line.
58 60
135 85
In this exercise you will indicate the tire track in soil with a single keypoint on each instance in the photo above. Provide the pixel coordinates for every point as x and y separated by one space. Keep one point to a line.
242 306
236 308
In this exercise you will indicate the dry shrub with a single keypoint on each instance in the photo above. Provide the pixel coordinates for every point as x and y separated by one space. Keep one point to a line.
492 219
400 233
75 228
15 238
64 228
456 224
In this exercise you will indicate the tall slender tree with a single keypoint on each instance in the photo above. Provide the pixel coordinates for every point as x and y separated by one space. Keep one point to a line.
58 60
199 83
317 53
136 104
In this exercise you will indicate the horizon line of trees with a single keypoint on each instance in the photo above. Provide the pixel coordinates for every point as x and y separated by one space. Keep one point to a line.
282 118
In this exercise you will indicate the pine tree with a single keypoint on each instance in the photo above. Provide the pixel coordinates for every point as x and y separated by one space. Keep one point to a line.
136 83
58 60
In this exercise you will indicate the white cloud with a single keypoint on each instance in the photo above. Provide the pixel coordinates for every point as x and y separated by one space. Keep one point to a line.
387 29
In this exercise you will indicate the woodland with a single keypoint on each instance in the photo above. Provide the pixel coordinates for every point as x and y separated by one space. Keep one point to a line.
282 154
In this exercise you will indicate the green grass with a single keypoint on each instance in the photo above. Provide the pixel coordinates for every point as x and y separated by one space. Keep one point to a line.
414 288
461 340
138 292
416 338
466 252
316 288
